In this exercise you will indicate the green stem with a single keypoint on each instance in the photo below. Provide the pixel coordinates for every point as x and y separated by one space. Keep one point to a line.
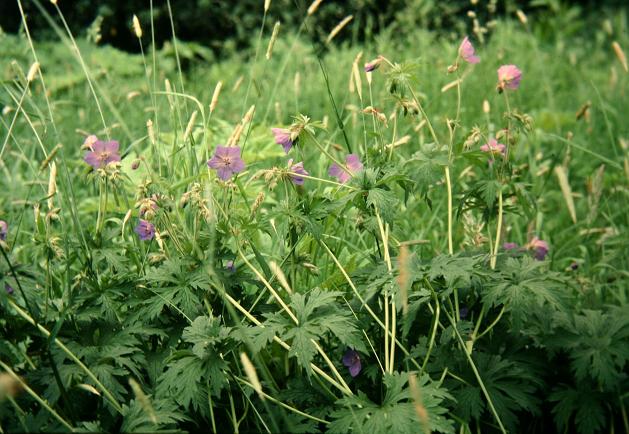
477 375
70 354
37 398
494 254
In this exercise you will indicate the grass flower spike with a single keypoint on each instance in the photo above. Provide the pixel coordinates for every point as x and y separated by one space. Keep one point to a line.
102 153
509 77
466 51
226 161
353 167
145 230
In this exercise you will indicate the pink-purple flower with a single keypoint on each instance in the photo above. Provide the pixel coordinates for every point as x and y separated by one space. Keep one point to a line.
297 169
510 246
9 289
145 230
373 65
230 266
102 152
509 77
226 161
493 147
351 359
4 230
540 248
353 166
466 51
282 137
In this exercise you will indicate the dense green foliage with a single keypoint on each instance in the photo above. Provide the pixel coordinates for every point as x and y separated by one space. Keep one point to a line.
239 313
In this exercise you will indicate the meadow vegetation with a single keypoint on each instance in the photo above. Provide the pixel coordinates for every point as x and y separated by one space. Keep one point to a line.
392 236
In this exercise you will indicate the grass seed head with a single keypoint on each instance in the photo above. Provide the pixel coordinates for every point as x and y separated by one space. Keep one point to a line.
250 370
137 29
269 48
314 6
620 55
336 30
217 92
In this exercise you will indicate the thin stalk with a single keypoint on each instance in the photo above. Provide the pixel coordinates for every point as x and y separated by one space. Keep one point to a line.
362 300
286 406
477 375
494 322
283 344
494 254
37 398
270 288
433 335
70 354
449 188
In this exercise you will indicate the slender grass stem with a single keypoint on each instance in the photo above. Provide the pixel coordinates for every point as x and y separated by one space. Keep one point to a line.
286 406
72 356
494 254
36 396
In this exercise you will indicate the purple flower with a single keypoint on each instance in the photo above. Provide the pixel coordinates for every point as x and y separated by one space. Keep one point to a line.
282 137
509 77
230 266
493 147
510 246
353 166
102 153
463 311
574 266
9 289
297 169
145 230
539 247
466 51
4 229
351 359
373 65
226 161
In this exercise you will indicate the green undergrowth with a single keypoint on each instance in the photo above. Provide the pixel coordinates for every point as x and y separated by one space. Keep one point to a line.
239 312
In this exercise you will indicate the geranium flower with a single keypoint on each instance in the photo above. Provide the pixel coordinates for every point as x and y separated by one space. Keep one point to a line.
351 359
145 230
230 266
226 161
282 137
509 77
102 153
9 289
539 247
493 147
297 169
353 165
4 230
466 51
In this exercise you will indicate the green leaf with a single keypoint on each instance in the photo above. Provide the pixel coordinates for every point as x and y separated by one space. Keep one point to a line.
396 413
